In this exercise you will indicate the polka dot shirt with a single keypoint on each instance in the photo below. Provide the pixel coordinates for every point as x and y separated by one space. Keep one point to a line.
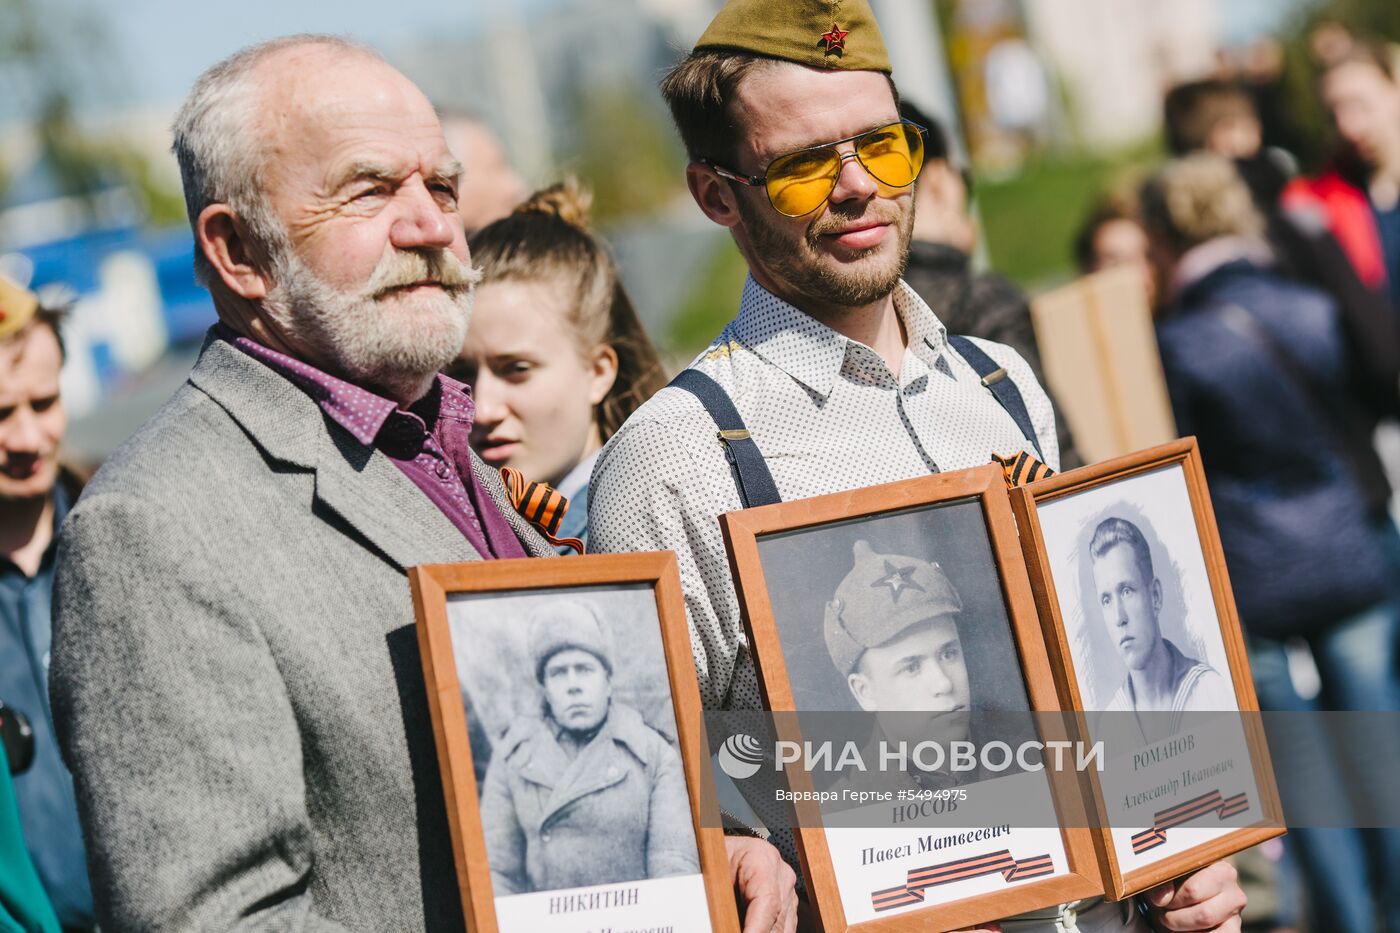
827 414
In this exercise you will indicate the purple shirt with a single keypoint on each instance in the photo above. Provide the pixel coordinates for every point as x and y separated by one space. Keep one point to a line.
427 441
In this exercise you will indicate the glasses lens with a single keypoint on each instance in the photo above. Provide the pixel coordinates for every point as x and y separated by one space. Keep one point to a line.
799 183
893 154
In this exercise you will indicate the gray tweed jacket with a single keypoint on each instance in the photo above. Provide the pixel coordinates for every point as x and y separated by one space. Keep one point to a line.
236 680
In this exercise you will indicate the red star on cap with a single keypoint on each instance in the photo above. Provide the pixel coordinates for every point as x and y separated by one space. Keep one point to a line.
898 579
835 39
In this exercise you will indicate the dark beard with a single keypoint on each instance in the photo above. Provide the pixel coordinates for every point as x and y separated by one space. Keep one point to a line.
797 266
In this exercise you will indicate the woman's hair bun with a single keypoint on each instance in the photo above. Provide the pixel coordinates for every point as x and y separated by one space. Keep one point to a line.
568 200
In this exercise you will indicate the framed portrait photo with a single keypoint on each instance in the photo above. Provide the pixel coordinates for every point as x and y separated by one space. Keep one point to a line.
569 737
1140 623
896 642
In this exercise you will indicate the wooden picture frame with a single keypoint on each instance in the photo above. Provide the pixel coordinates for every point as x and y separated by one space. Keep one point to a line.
973 499
523 616
1060 520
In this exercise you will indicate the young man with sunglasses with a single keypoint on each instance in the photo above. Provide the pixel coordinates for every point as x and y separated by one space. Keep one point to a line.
834 375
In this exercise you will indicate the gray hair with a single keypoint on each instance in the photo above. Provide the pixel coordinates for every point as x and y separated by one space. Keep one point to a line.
216 142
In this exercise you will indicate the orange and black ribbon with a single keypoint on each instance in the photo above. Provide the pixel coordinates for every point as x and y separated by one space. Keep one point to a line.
1022 469
1196 807
541 505
963 869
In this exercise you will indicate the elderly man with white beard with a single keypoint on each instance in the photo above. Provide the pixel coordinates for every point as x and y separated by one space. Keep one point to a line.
235 676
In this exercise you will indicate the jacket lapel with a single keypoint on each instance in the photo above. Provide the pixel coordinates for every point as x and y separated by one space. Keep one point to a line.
375 498
534 543
358 484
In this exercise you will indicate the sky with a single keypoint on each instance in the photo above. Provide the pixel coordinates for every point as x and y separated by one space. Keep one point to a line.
165 44
158 47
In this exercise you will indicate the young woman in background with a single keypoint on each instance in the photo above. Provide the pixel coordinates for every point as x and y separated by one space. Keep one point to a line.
556 356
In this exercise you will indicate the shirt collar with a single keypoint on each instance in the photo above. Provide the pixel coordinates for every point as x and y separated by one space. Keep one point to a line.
1200 261
927 335
812 353
565 736
1180 665
62 502
355 408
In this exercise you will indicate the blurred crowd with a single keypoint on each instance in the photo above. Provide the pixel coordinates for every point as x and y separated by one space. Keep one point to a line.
1276 300
1276 307
1276 304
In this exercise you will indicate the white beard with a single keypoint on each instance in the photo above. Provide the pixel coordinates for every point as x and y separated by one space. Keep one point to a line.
374 336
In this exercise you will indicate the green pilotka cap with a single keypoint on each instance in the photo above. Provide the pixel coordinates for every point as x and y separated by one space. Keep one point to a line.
821 33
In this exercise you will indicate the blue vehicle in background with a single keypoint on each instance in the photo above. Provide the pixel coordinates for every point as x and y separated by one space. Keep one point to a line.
137 313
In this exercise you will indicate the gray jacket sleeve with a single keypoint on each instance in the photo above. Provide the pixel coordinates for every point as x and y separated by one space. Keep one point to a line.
174 718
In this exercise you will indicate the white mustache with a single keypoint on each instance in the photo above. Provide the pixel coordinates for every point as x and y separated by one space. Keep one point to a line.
402 268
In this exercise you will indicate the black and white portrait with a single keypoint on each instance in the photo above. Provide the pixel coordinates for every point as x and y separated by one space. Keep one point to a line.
1148 636
573 737
900 615
898 639
1136 600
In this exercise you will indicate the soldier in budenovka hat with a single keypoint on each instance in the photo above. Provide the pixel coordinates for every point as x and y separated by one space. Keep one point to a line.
892 630
834 375
586 792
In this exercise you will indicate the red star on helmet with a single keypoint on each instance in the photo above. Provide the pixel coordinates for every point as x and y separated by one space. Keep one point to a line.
836 38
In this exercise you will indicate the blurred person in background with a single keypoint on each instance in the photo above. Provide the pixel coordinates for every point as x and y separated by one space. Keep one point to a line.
1213 115
1219 117
1111 235
1329 42
940 265
490 187
1256 365
1358 196
1259 70
36 492
556 356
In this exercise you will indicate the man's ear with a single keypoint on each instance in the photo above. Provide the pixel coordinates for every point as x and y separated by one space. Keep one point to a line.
860 689
1156 594
221 236
714 194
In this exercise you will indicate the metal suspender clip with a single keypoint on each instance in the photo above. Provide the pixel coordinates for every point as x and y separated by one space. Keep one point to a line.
996 375
727 439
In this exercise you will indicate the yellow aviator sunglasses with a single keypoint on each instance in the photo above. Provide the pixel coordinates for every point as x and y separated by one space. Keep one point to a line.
800 182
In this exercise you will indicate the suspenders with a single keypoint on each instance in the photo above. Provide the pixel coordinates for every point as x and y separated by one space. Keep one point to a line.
751 473
995 379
